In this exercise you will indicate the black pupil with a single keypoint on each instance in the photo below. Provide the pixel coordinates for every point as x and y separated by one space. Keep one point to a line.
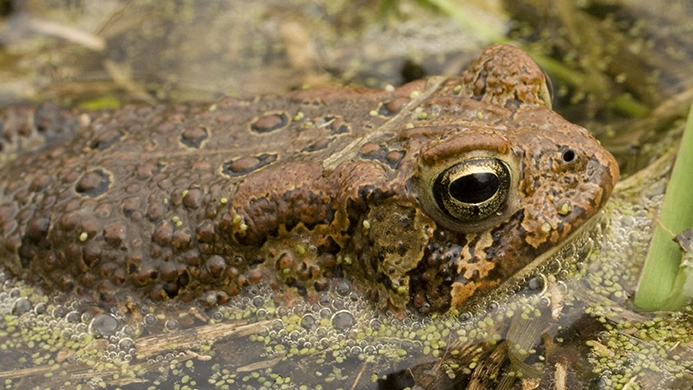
475 188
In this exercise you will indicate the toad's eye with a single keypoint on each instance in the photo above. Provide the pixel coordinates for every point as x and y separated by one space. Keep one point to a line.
472 190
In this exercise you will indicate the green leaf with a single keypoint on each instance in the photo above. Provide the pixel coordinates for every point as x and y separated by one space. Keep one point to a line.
664 283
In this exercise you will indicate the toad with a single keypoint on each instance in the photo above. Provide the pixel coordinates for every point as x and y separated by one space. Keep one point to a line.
422 196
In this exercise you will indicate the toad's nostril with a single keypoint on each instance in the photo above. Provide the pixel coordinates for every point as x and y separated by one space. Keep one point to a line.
568 155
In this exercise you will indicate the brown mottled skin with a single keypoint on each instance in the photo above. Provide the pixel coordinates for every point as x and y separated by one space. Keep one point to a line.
187 201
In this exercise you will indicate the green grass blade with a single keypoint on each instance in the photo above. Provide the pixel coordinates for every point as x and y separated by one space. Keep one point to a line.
662 266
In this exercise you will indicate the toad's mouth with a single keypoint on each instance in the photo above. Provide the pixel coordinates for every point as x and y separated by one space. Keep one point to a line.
555 252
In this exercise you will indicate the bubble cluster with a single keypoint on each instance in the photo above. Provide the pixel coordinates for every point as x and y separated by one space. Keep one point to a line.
42 331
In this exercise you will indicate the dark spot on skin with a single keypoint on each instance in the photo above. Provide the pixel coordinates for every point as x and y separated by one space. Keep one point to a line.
320 144
392 107
372 151
338 126
130 205
93 183
394 157
105 139
194 136
268 123
369 148
335 124
247 164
